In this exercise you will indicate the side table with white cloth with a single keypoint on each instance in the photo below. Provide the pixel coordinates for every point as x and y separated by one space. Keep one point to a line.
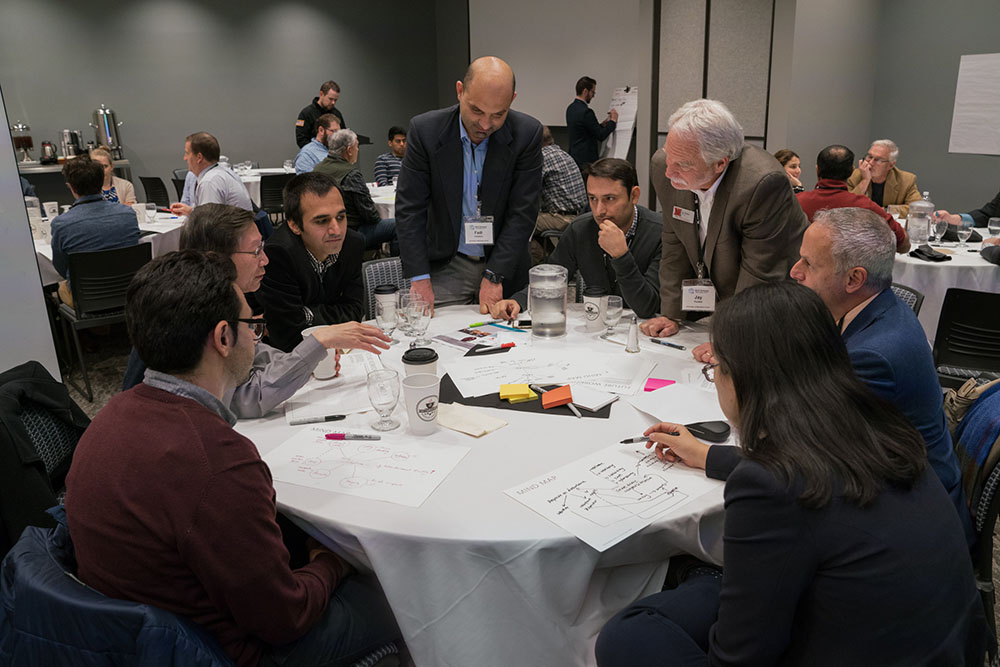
966 269
164 233
475 577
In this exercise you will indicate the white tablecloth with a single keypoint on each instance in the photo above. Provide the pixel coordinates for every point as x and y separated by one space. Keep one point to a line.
385 199
967 270
476 578
167 237
252 180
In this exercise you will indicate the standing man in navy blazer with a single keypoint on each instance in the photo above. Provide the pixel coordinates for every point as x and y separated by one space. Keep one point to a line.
468 192
847 258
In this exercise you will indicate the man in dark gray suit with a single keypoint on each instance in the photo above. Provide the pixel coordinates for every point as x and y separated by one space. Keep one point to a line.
468 191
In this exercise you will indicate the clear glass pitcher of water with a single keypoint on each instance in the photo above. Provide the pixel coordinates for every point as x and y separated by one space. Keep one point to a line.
547 300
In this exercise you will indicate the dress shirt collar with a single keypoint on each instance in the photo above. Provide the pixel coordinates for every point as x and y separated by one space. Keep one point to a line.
846 320
708 196
319 144
321 267
201 175
178 387
630 234
88 199
464 136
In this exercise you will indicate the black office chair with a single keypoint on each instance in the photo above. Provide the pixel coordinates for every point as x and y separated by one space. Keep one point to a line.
967 342
388 271
98 281
155 191
39 428
271 187
909 296
179 186
181 173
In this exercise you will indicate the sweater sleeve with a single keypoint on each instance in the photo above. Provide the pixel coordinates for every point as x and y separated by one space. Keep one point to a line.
244 565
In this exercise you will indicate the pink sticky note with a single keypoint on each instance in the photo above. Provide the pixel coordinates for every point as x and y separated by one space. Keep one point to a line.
652 384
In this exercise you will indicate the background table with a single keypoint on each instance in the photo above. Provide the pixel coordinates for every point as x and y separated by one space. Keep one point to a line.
473 576
967 270
165 238
252 180
384 197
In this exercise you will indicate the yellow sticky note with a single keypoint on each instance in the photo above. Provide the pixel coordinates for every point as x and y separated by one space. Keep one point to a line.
509 391
530 397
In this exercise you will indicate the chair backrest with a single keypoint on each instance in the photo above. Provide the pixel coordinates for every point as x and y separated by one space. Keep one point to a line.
101 278
179 186
271 187
909 296
388 271
49 617
156 191
968 331
181 173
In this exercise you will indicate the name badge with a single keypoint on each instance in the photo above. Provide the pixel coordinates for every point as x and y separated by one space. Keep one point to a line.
698 295
479 229
683 214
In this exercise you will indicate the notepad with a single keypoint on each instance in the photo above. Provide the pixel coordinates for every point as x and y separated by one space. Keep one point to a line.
556 397
468 420
515 391
652 384
530 397
592 400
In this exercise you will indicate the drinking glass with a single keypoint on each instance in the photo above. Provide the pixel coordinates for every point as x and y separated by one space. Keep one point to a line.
940 228
964 232
383 391
289 166
150 212
420 319
386 316
403 314
612 315
994 226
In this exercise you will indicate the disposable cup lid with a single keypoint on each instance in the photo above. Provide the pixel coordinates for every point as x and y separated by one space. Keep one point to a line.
420 355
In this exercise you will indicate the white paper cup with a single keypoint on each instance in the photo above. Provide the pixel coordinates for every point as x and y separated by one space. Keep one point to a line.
327 368
140 213
594 306
51 209
420 393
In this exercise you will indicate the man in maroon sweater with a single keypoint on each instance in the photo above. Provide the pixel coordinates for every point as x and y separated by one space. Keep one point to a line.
167 505
834 165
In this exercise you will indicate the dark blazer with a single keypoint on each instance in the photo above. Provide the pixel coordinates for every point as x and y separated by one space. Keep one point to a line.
633 276
585 133
291 283
889 352
991 209
890 584
26 489
754 233
429 193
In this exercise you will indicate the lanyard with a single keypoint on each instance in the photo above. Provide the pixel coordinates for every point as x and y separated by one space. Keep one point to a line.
701 268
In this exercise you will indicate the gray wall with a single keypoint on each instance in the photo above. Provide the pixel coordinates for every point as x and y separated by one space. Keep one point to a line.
452 18
241 71
918 58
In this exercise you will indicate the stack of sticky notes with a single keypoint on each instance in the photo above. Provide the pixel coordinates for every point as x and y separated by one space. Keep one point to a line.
556 397
517 393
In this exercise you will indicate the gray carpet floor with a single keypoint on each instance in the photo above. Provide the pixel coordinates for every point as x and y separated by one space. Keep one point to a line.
106 366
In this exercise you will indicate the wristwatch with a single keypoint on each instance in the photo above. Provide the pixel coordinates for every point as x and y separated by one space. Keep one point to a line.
494 278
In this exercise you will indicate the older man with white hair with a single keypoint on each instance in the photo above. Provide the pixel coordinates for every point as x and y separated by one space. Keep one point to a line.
362 214
878 178
729 218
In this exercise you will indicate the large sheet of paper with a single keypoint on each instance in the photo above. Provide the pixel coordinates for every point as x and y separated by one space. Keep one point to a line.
679 403
626 102
396 469
482 375
611 494
975 123
345 394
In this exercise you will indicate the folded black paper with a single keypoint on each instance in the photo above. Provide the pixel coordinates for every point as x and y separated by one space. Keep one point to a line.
450 394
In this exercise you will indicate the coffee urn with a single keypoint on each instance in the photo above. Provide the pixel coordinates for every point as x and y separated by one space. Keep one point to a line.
23 142
106 128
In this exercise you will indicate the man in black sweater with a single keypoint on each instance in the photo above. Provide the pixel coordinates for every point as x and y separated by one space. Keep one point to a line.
325 102
314 275
616 246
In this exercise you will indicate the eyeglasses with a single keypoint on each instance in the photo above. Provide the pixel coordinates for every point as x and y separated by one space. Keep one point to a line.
256 252
256 326
876 160
708 370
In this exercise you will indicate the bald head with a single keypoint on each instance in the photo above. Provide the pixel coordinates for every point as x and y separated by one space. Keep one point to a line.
484 97
491 71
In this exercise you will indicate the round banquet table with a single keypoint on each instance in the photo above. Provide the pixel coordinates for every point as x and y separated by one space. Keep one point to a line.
967 270
475 577
251 180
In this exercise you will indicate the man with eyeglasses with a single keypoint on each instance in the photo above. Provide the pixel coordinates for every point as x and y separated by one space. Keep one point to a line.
169 506
878 178
276 375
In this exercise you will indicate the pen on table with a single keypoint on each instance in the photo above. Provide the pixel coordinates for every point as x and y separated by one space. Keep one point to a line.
484 323
352 436
659 341
316 420
572 408
491 350
641 438
504 326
